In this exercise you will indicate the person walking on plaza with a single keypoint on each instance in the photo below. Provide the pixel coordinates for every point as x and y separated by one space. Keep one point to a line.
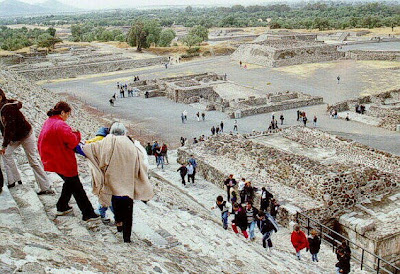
266 196
212 130
120 175
299 240
267 227
221 125
182 118
305 120
235 125
251 214
229 183
338 79
17 131
193 161
315 243
198 116
190 172
281 118
203 116
343 264
217 130
240 220
183 171
56 144
315 121
225 208
164 152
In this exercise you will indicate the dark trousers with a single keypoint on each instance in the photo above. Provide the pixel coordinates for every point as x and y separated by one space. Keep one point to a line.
242 196
123 210
1 179
73 186
264 204
228 192
183 179
191 176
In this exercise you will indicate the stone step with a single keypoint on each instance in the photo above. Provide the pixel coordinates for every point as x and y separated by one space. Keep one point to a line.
9 212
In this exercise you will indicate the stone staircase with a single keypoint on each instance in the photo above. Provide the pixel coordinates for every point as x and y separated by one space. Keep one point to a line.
174 232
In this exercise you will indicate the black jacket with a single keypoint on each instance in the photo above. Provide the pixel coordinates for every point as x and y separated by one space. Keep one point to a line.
227 182
315 244
240 218
344 263
182 170
265 226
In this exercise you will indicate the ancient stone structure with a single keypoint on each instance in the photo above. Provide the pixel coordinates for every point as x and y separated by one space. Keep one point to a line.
215 93
275 50
383 107
316 173
373 55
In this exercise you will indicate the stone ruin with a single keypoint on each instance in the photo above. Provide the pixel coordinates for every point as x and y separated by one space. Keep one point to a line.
276 50
316 173
383 109
214 93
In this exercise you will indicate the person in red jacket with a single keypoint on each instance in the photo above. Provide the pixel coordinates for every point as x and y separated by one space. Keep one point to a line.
299 240
56 146
17 131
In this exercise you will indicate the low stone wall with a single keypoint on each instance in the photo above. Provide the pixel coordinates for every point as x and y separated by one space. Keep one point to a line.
283 97
373 55
93 68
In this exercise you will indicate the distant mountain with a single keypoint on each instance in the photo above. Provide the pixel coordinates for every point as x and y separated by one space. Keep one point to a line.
18 8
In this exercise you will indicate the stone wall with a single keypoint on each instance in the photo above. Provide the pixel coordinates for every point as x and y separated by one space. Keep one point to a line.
91 68
373 55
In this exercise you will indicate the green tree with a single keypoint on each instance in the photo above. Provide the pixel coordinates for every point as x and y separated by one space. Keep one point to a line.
166 37
52 31
199 31
191 40
189 9
45 40
143 33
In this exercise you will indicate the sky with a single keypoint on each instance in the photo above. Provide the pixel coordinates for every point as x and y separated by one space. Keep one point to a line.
102 4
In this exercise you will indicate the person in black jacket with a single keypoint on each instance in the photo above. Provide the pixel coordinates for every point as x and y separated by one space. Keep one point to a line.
315 243
343 265
344 247
274 208
229 183
266 229
240 220
183 172
265 198
17 131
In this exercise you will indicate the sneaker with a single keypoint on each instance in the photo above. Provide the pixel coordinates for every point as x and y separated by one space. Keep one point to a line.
46 192
19 182
105 220
11 185
92 218
65 212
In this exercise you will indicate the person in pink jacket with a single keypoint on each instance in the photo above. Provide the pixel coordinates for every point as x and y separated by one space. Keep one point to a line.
299 240
56 145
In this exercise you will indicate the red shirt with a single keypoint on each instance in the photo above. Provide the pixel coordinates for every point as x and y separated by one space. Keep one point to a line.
56 145
299 240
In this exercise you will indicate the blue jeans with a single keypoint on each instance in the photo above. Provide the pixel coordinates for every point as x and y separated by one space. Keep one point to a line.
252 225
224 216
103 209
314 257
160 161
267 238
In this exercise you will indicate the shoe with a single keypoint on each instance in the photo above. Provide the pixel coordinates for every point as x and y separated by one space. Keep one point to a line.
11 185
46 192
128 241
92 218
105 221
19 182
119 228
65 212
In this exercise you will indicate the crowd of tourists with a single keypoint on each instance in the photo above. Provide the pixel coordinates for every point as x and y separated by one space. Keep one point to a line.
118 164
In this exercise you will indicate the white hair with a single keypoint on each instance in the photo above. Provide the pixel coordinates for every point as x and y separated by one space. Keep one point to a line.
118 129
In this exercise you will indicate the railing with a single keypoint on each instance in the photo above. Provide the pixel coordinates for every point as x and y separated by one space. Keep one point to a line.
358 254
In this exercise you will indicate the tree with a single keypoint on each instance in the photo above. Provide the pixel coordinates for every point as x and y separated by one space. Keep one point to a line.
143 33
199 31
191 40
166 37
52 31
45 40
189 9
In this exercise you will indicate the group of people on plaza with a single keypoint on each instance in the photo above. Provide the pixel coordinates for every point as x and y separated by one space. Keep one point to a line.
118 163
302 117
217 129
124 88
160 153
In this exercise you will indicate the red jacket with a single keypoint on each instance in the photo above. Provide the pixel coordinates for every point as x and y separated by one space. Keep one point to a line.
299 240
56 145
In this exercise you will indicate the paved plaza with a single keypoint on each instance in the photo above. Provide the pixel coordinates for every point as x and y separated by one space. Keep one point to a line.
161 117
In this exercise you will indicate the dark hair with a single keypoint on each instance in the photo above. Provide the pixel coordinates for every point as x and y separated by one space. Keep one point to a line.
3 95
250 202
236 205
219 198
59 107
261 213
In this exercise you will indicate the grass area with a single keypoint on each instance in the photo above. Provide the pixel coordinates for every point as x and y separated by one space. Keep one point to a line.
374 64
120 45
305 70
6 53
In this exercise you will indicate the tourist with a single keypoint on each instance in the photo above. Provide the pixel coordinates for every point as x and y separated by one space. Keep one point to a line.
240 63
164 153
159 157
335 114
17 131
343 247
338 79
251 214
274 208
241 185
56 144
245 66
225 208
234 197
225 76
203 116
118 87
235 125
217 130
149 149
198 116
299 240
229 183
190 172
212 130
193 161
195 141
183 171
281 118
248 192
146 94
185 114
347 117
265 198
154 149
266 227
315 243
182 118
315 121
122 180
183 140
298 115
240 220
305 120
112 100
166 65
122 93
343 264
222 126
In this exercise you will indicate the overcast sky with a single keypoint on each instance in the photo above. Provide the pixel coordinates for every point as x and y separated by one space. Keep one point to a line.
95 4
